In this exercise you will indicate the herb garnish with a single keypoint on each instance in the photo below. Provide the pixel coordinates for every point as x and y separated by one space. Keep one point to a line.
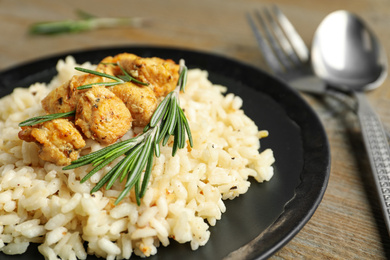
126 77
168 120
41 119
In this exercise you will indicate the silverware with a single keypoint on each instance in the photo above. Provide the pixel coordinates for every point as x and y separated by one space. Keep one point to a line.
288 57
278 43
360 64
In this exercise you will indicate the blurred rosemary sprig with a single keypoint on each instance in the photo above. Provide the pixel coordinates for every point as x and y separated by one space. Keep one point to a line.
84 23
138 152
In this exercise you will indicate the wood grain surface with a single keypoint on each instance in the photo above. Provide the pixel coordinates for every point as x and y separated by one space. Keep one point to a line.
348 223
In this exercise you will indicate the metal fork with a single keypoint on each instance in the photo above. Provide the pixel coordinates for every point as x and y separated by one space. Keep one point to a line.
288 57
286 54
286 61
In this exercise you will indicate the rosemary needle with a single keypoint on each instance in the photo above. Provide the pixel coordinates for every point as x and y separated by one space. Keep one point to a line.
41 119
116 80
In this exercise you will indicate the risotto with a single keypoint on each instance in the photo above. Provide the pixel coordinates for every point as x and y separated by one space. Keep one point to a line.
42 203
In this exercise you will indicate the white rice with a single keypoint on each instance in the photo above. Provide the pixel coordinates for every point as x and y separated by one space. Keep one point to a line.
41 203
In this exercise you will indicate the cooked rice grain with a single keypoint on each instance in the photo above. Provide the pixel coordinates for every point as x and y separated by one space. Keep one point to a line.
41 203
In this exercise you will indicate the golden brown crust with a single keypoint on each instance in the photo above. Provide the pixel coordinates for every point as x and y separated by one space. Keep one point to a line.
139 100
59 140
64 98
102 116
162 75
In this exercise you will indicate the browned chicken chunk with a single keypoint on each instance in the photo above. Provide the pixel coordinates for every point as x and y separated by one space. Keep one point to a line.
140 100
162 75
59 140
102 116
109 64
64 98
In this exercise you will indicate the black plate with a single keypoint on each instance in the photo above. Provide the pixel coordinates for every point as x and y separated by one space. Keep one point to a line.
260 222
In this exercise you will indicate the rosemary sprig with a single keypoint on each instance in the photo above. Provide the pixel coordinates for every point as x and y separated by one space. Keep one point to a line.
84 23
138 152
41 119
126 77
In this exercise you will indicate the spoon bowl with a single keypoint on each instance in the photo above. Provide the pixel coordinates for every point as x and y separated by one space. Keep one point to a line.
346 53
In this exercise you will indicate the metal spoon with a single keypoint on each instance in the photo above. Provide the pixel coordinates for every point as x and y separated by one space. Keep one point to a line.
346 54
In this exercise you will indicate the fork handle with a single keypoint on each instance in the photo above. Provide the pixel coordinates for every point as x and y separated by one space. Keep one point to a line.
378 152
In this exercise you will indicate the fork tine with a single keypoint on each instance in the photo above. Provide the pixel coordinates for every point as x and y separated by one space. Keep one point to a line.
282 39
296 40
275 43
265 48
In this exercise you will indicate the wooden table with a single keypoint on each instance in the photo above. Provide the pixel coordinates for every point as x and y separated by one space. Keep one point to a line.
348 223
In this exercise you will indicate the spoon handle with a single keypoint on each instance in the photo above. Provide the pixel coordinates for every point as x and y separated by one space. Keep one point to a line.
378 152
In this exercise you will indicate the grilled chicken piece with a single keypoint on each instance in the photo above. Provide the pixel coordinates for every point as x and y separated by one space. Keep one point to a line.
64 98
102 116
109 64
140 100
162 75
59 140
